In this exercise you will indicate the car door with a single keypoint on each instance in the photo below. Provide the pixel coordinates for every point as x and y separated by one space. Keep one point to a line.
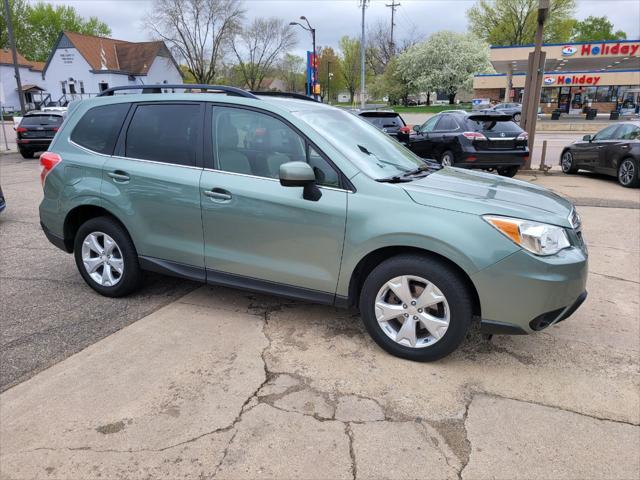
152 183
444 136
422 142
258 233
602 140
617 148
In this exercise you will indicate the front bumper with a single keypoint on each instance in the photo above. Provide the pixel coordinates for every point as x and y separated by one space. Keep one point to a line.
524 293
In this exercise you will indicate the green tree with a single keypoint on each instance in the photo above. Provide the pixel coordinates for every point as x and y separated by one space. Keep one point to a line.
329 64
37 26
393 83
513 22
446 62
595 28
292 71
350 64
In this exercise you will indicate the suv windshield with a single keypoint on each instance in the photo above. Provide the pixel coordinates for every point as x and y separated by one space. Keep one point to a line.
371 150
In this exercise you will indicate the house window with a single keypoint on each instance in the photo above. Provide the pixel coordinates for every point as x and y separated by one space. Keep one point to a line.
63 84
81 87
72 88
102 86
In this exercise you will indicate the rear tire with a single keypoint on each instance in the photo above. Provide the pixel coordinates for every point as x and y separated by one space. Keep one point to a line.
447 159
437 326
628 175
106 257
507 171
567 162
26 153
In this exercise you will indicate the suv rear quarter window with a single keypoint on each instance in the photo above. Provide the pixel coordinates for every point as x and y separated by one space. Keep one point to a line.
99 127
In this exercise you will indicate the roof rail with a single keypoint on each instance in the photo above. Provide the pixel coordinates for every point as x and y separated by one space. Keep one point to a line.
186 86
298 96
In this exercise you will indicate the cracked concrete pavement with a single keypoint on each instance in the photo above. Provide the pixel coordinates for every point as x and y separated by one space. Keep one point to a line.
228 384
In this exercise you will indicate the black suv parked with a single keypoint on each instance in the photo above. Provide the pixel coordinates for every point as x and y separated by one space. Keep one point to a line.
390 123
36 130
472 140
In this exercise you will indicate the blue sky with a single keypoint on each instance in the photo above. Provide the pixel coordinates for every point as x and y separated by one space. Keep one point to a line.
335 18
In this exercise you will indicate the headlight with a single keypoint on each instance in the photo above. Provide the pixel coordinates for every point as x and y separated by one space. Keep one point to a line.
538 238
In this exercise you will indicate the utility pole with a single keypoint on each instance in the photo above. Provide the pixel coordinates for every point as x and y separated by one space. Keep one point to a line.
363 5
14 54
393 6
533 82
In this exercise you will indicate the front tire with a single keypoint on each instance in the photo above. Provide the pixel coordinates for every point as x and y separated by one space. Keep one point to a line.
106 257
416 307
567 162
447 159
507 171
628 175
516 117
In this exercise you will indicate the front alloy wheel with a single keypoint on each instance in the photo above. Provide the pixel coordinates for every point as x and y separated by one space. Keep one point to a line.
566 162
416 307
447 159
412 311
627 173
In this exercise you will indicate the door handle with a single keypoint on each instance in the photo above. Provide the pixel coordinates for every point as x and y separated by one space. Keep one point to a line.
119 176
218 195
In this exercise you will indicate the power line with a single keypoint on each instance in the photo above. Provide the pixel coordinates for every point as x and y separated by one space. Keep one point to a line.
393 7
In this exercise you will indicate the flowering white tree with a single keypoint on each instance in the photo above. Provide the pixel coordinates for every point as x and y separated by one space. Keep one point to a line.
446 61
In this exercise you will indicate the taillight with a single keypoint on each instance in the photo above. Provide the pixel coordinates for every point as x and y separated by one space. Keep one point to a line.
48 161
21 129
406 129
474 135
55 129
523 136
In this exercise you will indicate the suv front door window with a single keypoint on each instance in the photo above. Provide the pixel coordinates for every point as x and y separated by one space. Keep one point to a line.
255 227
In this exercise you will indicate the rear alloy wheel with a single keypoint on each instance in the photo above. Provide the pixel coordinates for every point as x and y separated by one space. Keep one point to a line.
106 257
447 159
516 117
416 307
628 173
507 171
567 163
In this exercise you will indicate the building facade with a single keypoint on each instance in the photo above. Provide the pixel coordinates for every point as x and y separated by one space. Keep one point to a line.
600 75
84 65
30 76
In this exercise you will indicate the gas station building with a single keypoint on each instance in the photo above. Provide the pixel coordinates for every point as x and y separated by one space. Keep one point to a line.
600 75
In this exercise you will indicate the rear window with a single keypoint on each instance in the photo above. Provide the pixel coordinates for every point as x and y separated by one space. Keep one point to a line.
164 133
384 122
493 126
98 129
34 120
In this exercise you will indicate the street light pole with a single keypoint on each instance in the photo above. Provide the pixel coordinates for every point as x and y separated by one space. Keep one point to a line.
312 30
328 82
14 54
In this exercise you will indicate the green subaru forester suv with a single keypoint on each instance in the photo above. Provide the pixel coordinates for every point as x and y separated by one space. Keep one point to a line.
296 198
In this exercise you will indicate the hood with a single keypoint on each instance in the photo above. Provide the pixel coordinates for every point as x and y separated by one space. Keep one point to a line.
484 193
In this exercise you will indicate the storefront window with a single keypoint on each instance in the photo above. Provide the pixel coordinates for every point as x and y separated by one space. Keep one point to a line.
589 94
606 94
549 95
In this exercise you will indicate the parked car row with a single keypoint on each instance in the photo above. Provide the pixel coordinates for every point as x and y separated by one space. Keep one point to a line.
36 130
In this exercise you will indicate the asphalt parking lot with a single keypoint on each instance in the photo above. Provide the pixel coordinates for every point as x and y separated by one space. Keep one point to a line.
218 383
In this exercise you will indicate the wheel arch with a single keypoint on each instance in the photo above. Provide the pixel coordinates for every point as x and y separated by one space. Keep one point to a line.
80 214
375 257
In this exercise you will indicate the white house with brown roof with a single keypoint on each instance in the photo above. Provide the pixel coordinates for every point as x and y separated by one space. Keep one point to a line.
31 79
84 65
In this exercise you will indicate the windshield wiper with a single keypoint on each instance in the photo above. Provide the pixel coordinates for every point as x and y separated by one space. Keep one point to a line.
394 179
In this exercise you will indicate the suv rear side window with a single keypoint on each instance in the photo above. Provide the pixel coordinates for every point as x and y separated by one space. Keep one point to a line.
45 120
98 129
165 133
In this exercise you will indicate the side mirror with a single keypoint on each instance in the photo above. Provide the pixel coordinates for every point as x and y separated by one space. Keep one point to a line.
416 128
300 174
587 138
